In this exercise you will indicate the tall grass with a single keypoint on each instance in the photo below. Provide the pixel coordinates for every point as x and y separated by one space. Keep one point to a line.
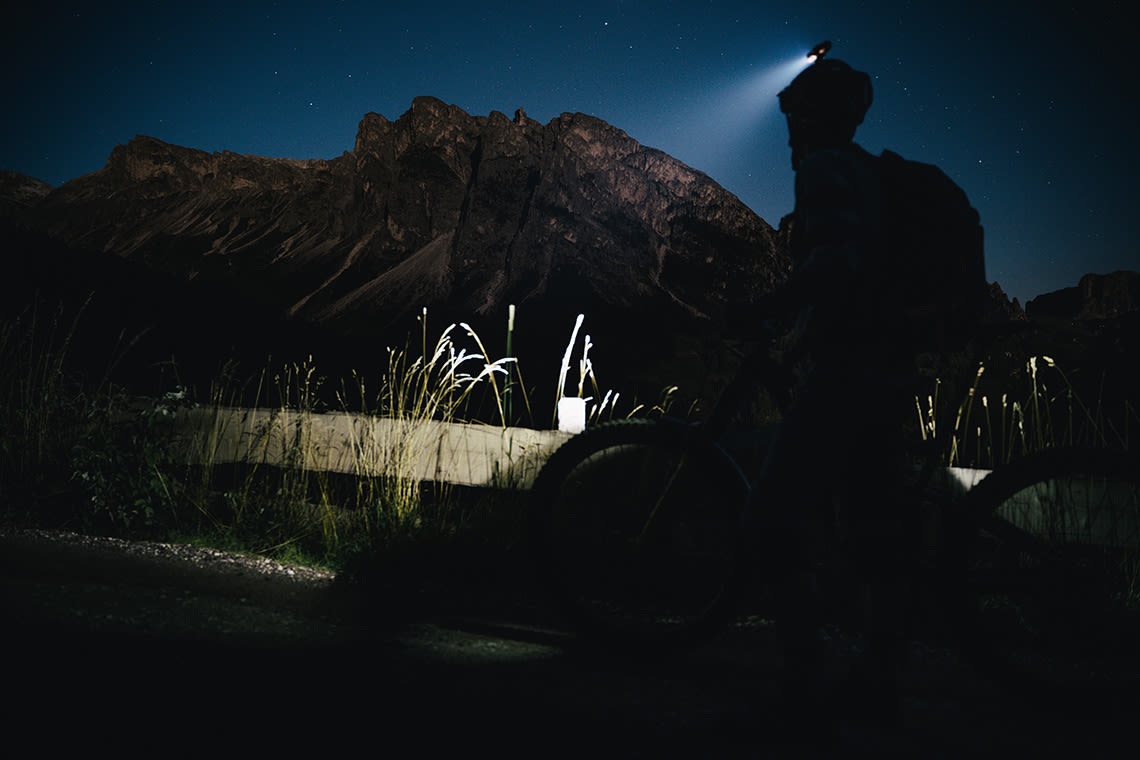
434 387
294 503
39 403
47 409
125 469
595 409
1004 417
278 497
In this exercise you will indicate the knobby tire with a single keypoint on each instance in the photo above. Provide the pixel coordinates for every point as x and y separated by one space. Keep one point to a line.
635 525
1051 602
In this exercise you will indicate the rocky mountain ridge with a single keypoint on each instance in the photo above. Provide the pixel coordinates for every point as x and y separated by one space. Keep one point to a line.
438 208
1097 297
19 192
464 215
461 214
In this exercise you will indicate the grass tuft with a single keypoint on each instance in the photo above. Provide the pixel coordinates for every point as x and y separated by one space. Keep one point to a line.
119 465
1003 417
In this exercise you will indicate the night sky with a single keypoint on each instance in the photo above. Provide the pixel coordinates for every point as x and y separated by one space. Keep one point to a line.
1030 107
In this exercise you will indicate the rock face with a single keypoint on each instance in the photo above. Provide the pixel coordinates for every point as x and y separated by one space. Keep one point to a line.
1096 297
999 307
19 192
462 214
438 208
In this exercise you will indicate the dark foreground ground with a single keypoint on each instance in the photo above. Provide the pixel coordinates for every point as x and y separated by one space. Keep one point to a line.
148 650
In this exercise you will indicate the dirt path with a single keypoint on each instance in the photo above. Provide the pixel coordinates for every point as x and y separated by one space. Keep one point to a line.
191 645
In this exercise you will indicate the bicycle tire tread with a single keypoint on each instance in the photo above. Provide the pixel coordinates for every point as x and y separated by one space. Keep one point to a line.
665 434
981 507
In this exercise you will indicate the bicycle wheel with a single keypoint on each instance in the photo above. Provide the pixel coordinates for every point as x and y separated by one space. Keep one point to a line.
1052 598
635 529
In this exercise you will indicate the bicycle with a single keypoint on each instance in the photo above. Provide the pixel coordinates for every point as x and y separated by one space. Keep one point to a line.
636 528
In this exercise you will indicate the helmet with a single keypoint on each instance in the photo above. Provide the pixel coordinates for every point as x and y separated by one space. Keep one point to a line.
828 91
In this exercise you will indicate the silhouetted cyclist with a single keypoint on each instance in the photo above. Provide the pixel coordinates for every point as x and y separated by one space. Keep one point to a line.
836 466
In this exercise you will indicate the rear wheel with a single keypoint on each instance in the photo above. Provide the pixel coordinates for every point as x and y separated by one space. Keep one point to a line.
1053 592
635 529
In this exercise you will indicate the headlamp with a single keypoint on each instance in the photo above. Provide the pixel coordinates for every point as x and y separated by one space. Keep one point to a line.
819 51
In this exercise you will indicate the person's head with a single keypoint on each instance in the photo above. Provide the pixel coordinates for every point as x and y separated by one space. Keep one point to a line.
824 105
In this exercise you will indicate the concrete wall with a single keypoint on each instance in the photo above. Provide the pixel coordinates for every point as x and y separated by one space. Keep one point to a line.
482 455
1079 511
475 455
1069 509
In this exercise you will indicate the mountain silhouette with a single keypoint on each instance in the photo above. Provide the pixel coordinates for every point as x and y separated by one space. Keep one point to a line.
464 215
213 257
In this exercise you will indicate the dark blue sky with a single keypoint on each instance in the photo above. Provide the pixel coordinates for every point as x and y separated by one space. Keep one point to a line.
1030 107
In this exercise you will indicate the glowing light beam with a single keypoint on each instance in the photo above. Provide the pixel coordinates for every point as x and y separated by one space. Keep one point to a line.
819 51
734 118
750 104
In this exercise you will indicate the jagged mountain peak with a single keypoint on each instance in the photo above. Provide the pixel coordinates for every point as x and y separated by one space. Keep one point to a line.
19 191
459 213
463 214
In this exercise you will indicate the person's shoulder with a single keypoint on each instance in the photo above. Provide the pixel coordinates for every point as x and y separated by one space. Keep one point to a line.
844 161
843 155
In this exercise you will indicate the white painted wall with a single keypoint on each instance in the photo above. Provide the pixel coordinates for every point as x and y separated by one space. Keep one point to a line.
476 455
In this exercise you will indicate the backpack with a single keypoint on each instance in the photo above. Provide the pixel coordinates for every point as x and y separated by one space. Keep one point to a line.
935 256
